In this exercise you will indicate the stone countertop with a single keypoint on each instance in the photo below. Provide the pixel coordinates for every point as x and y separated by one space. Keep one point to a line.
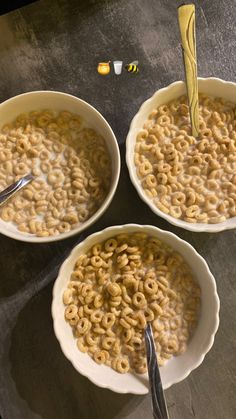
56 45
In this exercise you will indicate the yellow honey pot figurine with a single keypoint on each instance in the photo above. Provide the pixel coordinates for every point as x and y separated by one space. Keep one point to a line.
103 68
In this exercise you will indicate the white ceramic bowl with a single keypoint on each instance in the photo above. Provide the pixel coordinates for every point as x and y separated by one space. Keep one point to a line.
59 101
210 86
177 368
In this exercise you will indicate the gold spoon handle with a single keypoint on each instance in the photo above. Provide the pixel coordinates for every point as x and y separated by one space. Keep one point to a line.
186 16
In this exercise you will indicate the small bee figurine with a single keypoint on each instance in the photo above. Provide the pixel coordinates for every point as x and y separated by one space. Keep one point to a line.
132 67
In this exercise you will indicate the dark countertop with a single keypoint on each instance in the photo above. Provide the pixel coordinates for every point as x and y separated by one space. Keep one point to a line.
56 45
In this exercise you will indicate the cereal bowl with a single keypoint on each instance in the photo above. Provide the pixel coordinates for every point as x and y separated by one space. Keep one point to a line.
178 367
209 86
33 103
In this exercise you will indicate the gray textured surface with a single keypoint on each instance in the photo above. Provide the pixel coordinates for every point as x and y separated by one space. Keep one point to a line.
56 44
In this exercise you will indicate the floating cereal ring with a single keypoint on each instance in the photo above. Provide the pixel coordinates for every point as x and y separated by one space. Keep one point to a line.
145 168
20 217
7 213
108 320
178 198
110 245
196 182
171 156
20 202
122 260
56 176
182 145
212 184
22 145
149 315
74 160
43 120
175 211
81 346
151 181
142 135
20 168
45 155
139 300
140 365
100 357
164 120
96 261
70 311
36 138
172 346
177 169
96 316
121 248
137 342
122 365
40 195
5 155
57 147
98 301
67 296
163 110
162 178
192 211
211 202
190 198
114 289
206 133
91 339
163 167
108 342
83 214
184 178
196 160
83 326
150 286
7 168
194 170
64 227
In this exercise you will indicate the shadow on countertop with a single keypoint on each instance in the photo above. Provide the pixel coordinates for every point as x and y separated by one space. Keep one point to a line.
11 5
50 386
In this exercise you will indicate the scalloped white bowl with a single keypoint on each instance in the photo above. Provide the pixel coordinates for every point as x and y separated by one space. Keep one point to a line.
59 101
177 368
211 86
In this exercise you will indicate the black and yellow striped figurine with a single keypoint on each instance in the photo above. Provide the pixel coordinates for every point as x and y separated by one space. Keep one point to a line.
132 67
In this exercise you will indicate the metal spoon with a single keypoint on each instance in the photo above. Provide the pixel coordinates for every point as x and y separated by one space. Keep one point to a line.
159 408
15 187
186 17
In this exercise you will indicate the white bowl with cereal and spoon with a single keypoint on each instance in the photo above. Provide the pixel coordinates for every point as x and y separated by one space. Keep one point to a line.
189 182
112 284
72 152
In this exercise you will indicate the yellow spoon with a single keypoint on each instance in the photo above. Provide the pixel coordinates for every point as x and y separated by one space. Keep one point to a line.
186 17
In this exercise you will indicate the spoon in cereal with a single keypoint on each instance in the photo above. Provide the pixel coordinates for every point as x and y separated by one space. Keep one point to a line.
15 187
186 17
159 408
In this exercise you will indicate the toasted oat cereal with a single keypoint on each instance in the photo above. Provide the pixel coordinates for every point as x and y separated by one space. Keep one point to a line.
72 169
118 286
193 179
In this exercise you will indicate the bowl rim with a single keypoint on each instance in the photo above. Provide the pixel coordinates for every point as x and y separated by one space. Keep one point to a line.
111 193
195 227
116 229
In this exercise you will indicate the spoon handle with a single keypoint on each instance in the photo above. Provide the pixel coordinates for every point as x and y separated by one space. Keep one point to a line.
186 17
158 399
14 187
